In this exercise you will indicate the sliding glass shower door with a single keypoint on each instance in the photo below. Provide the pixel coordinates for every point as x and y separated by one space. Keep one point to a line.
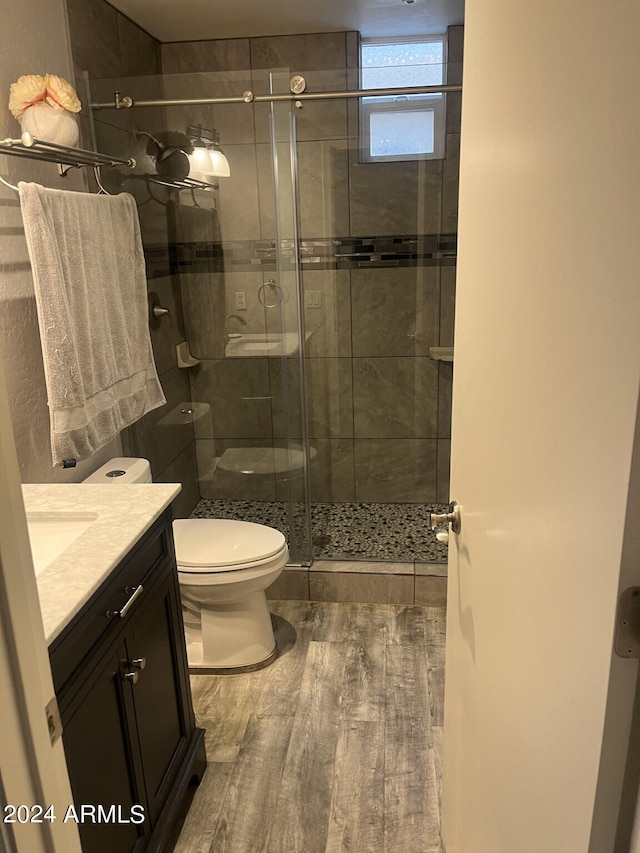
375 252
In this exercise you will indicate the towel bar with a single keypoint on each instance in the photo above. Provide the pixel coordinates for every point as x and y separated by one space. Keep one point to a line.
65 156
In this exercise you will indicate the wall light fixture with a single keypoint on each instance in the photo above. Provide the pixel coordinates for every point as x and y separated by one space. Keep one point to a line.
207 158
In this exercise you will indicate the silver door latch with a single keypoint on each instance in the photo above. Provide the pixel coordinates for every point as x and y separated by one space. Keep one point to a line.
452 517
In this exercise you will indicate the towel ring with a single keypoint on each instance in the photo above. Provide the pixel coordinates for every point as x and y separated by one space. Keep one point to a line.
279 297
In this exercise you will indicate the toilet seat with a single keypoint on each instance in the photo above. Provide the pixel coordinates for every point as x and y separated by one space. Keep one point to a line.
207 546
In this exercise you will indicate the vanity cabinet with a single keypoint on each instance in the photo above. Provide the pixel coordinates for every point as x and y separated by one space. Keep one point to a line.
121 678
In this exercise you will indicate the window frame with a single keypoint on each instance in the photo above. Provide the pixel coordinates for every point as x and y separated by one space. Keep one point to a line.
435 103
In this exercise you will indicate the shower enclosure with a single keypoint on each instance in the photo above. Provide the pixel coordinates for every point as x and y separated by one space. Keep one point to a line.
315 292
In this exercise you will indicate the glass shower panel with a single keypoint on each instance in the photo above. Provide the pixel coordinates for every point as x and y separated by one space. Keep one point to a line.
281 297
226 433
377 245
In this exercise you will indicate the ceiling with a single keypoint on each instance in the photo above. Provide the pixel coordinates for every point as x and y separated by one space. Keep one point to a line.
192 20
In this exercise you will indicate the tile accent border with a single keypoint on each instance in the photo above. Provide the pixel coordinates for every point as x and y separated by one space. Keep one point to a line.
339 253
362 567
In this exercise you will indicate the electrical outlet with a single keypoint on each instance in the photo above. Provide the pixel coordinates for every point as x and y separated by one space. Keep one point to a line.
241 300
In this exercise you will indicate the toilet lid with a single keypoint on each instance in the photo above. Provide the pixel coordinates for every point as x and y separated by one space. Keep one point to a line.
224 544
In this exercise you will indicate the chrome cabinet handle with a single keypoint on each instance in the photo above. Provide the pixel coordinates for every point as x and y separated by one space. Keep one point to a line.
122 613
131 677
139 663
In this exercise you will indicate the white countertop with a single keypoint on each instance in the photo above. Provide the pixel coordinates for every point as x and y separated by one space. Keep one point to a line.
124 513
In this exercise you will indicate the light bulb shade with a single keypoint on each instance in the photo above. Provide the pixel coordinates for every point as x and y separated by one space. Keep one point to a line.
200 160
207 158
220 163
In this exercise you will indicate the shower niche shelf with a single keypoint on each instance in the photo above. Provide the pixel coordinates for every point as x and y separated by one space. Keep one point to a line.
441 353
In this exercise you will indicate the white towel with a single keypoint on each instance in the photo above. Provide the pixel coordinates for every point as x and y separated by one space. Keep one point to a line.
91 294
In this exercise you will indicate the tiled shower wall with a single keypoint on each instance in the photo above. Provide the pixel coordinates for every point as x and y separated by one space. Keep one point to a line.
378 246
379 408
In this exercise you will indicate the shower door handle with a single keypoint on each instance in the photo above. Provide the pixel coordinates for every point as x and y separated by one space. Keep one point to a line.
452 517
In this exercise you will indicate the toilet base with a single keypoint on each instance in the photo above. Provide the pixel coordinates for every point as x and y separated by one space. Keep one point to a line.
234 636
199 669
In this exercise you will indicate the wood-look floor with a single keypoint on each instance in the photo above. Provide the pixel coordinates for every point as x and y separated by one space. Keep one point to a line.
337 746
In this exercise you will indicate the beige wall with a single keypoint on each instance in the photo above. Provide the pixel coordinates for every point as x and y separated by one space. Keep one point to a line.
34 40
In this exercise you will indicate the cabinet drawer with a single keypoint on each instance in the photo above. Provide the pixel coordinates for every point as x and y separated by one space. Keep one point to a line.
93 624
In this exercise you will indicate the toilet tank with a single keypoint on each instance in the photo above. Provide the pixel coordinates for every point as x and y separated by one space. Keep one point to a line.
122 469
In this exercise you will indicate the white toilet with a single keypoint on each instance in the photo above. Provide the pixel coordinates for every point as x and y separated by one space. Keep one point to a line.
224 568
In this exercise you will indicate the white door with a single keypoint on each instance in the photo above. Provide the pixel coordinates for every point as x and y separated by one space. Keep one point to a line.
546 377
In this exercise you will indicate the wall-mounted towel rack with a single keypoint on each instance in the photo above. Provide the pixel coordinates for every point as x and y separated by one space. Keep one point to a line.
184 184
65 156
74 158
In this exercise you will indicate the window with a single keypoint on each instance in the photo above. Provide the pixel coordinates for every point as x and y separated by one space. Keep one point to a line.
406 127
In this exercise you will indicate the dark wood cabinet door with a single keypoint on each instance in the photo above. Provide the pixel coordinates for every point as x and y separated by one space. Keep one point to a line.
129 742
156 637
97 745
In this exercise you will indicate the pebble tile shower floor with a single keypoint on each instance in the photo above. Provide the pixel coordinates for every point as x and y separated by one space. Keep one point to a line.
348 531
